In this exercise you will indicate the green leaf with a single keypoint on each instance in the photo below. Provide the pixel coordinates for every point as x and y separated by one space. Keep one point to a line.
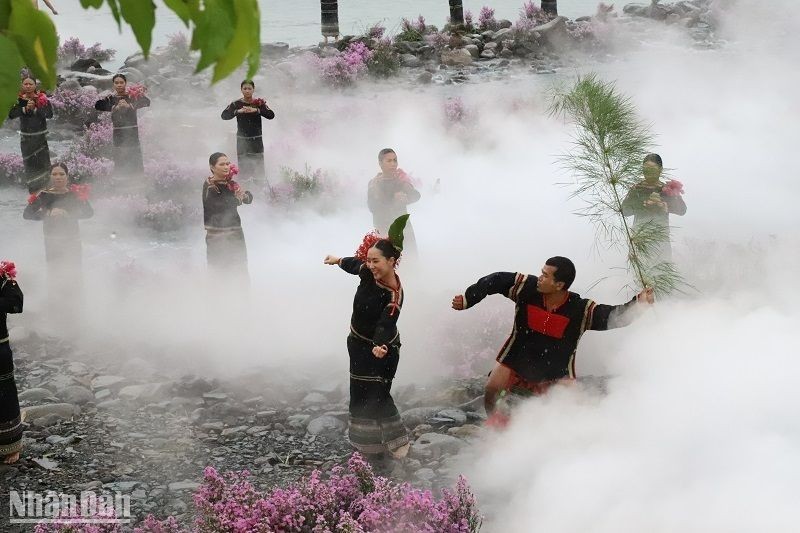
141 15
10 65
396 231
180 8
5 13
36 39
247 23
214 30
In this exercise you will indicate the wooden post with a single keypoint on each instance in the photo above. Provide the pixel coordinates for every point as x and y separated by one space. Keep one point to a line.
330 18
550 7
456 12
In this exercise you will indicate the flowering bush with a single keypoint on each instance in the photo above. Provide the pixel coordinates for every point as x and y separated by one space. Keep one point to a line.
412 30
11 168
384 61
437 40
533 13
469 22
97 137
178 44
486 20
354 500
75 107
454 110
73 49
376 32
172 177
85 168
161 216
345 68
308 188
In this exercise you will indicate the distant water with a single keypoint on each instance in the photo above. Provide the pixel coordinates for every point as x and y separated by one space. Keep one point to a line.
292 21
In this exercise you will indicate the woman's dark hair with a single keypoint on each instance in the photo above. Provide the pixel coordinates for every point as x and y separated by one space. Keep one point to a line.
28 78
387 249
118 75
247 82
384 152
565 270
212 160
62 165
655 158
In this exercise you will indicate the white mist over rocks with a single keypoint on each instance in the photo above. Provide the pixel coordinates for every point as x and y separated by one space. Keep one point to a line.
697 431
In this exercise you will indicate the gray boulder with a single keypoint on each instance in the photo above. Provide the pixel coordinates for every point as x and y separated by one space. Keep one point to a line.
326 425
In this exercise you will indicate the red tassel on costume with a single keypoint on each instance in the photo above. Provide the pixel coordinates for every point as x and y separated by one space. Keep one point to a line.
549 324
32 198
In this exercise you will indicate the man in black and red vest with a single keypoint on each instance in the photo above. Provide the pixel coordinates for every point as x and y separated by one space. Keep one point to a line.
548 323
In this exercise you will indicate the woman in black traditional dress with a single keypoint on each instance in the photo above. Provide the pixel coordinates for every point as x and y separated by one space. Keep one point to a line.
10 420
33 109
123 105
60 207
249 141
374 347
225 246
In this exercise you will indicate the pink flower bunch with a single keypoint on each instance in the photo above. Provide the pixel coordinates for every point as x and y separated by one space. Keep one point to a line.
136 90
11 167
82 191
178 43
486 20
345 68
376 32
533 13
455 110
8 269
673 188
75 106
418 26
233 171
437 40
32 198
170 176
352 499
85 168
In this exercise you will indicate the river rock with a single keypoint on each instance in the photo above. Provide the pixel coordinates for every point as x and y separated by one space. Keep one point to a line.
433 445
410 60
473 50
554 34
454 416
36 394
275 50
76 394
108 382
418 415
326 425
62 410
455 58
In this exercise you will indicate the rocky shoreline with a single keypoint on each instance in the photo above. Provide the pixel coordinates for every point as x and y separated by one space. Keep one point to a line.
147 433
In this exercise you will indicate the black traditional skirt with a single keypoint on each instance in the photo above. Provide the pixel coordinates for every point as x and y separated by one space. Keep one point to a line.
36 158
226 251
375 423
250 152
10 422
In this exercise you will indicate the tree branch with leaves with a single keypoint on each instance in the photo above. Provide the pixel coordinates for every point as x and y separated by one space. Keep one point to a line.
609 145
225 32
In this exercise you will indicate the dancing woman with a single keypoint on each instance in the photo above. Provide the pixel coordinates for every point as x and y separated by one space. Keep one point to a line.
123 105
33 109
249 141
10 420
374 343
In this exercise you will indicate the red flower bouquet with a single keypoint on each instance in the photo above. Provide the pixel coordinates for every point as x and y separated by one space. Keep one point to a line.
32 198
673 188
8 269
369 241
257 102
81 191
39 98
136 91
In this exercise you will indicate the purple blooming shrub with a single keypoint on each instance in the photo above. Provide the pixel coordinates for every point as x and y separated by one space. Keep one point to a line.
533 14
171 177
352 500
469 21
97 137
486 20
412 30
345 68
75 107
376 32
11 168
162 216
87 169
73 49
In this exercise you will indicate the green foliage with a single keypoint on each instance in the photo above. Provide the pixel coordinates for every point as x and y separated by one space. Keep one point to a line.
225 32
396 231
385 61
608 148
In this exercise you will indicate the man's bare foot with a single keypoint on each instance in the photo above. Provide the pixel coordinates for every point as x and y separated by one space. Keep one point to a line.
11 458
402 451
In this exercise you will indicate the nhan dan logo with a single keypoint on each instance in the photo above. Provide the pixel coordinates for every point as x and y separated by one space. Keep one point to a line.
88 507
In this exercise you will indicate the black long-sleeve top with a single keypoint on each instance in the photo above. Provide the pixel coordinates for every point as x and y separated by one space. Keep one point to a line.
125 120
68 201
33 122
633 204
248 124
382 203
542 345
376 307
10 302
220 206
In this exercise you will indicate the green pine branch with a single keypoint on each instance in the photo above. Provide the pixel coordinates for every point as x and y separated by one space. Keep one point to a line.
608 147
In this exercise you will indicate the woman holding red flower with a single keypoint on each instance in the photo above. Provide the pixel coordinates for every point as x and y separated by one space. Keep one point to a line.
33 109
123 105
10 419
225 247
59 207
652 201
249 142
